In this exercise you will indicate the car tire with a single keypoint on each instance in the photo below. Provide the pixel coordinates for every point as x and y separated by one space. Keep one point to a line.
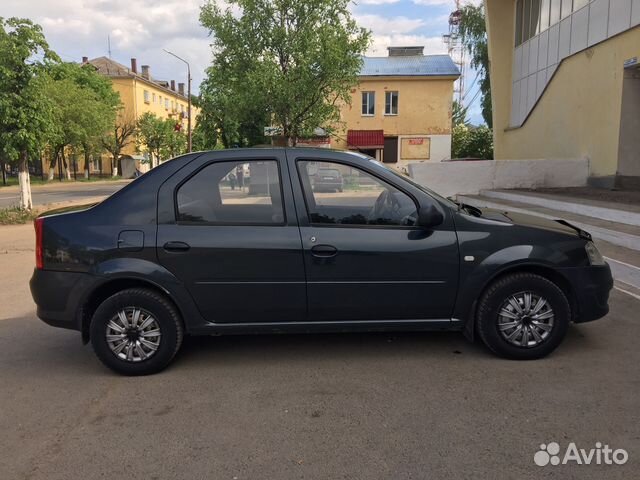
509 324
146 350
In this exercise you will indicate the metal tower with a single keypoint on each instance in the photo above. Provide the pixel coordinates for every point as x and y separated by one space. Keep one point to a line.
456 50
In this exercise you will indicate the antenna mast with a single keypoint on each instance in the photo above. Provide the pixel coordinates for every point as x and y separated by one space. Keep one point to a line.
109 44
456 50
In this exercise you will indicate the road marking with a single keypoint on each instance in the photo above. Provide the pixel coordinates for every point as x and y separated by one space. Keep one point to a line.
623 263
637 297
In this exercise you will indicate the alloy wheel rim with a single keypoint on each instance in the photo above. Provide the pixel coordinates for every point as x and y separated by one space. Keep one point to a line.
526 319
133 335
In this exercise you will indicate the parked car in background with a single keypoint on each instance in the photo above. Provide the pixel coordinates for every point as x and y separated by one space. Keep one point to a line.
196 257
327 180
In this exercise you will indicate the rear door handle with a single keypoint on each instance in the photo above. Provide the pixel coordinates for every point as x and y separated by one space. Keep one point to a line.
324 251
176 247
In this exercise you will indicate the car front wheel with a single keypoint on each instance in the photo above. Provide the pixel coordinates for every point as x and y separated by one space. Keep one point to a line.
136 332
523 316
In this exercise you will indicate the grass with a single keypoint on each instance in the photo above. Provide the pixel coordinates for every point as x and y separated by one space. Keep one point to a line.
16 216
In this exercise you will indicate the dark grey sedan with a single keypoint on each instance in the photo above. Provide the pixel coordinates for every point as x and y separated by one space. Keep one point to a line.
179 251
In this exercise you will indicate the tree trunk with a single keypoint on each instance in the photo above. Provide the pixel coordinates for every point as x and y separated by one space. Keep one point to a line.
114 167
65 164
87 165
25 182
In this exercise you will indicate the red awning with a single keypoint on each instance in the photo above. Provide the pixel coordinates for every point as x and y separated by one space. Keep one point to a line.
365 139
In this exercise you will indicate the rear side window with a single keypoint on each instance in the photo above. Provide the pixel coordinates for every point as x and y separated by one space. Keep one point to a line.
233 193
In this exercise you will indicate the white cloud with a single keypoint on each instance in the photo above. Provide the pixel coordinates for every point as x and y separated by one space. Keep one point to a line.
376 2
136 28
378 48
392 25
450 3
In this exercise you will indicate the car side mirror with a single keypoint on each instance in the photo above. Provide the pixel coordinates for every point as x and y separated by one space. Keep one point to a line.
429 217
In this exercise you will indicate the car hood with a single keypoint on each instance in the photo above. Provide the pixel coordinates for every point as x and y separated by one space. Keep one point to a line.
533 221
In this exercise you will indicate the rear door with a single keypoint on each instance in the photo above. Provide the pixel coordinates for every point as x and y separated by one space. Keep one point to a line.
236 247
364 258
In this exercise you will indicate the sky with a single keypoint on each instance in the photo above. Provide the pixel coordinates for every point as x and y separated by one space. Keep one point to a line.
143 28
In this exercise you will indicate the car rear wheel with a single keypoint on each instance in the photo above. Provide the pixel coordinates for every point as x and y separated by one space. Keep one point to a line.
523 316
136 332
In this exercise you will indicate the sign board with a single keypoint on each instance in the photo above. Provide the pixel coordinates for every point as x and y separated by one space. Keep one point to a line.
416 141
272 131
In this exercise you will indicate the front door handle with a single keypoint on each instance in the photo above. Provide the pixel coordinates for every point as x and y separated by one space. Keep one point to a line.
176 246
324 251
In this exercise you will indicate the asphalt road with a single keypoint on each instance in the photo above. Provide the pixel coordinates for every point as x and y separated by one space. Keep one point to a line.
350 406
61 192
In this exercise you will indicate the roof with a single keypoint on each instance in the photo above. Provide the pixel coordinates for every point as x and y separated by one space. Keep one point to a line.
409 66
111 68
365 138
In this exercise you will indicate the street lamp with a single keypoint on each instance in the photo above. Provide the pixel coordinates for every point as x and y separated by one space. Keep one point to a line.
188 97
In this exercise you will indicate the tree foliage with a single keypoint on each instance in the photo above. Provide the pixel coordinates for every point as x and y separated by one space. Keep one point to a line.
85 108
159 137
292 61
472 142
26 113
473 31
121 134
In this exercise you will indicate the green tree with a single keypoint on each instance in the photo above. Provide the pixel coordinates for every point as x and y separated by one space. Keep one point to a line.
26 113
458 114
473 31
471 142
159 137
292 61
121 134
85 108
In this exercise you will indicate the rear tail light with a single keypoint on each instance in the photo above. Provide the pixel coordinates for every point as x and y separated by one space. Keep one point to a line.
37 223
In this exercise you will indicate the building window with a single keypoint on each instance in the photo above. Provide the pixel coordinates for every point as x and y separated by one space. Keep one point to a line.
391 103
146 96
154 98
166 103
535 16
368 103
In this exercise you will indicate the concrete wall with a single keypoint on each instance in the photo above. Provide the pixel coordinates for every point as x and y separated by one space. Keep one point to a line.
578 113
451 178
424 110
629 149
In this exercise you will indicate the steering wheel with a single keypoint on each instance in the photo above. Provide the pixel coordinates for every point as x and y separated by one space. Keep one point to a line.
386 206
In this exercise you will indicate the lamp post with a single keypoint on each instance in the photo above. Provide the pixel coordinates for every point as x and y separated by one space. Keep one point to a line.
188 97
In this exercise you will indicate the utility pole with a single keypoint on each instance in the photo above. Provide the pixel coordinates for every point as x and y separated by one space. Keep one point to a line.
188 97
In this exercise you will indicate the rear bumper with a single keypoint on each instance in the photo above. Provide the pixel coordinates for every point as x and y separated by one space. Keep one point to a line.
58 296
591 286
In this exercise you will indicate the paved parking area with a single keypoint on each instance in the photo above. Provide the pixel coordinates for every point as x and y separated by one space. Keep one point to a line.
351 406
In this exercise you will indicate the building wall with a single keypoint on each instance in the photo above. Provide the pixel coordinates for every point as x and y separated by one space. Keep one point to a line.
424 112
579 109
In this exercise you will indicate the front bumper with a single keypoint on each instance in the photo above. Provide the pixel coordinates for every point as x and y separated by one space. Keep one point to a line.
591 286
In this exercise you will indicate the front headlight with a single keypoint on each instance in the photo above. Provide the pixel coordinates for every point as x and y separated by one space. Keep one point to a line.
595 257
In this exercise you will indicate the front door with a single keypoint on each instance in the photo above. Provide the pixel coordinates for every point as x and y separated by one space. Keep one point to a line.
390 154
235 242
364 258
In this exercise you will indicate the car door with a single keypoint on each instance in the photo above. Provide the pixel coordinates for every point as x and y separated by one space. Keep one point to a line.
364 258
235 245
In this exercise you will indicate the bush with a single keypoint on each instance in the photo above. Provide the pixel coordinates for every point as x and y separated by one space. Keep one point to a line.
15 215
472 142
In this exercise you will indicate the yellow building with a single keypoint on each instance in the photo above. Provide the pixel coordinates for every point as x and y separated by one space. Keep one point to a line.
141 93
565 82
401 108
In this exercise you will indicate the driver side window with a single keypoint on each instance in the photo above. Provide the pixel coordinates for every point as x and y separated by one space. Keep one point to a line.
339 194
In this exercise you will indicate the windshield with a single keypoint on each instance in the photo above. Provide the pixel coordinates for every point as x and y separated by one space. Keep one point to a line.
407 178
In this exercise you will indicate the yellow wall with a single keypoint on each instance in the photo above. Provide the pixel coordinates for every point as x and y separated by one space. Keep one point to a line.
578 115
424 107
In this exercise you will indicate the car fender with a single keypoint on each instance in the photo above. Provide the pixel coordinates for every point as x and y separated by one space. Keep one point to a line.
476 276
153 274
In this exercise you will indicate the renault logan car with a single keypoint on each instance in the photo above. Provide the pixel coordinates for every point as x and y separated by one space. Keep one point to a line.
178 251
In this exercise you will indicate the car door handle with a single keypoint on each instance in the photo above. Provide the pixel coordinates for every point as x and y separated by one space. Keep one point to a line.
324 251
176 247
